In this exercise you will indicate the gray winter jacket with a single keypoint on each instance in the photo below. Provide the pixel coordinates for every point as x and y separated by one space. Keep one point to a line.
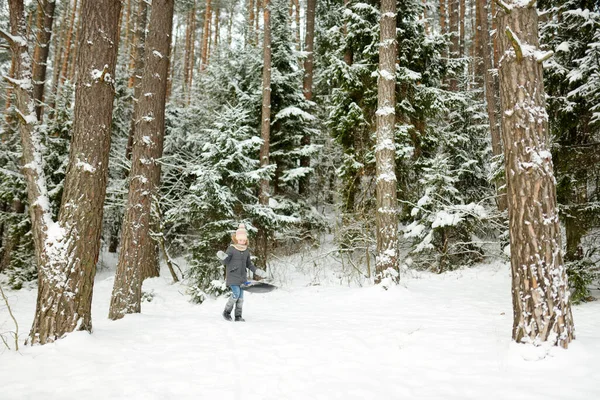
236 263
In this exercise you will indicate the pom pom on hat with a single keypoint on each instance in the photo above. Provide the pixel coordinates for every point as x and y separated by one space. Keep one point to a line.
241 233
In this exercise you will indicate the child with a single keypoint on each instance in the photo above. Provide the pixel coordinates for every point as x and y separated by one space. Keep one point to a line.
236 260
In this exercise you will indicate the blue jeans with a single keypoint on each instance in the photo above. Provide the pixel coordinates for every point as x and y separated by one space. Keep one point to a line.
238 292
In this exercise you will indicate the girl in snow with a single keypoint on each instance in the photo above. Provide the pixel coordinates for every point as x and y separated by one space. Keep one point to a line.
236 259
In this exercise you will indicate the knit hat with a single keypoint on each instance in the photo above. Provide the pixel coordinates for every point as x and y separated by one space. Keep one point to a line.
241 233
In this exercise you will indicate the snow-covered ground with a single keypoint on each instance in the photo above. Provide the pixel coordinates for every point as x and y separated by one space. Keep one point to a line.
434 337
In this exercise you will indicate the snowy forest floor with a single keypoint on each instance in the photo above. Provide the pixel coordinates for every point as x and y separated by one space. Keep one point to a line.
433 337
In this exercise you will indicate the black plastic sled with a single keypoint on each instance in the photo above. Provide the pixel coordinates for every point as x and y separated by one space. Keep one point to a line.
258 287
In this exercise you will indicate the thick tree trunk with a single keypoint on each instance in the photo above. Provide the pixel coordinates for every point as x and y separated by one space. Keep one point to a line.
485 69
540 291
205 37
66 266
136 242
308 79
387 224
139 41
45 18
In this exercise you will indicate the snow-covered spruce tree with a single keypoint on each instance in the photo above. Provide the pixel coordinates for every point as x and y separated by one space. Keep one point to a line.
572 81
540 293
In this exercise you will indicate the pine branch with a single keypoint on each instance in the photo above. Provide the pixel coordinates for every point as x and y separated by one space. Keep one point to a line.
543 57
507 9
516 43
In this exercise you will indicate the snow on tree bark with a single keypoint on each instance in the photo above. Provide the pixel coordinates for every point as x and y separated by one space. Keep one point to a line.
66 267
145 168
540 293
385 151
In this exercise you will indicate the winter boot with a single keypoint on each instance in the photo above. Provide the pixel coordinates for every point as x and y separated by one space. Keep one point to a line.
238 310
228 308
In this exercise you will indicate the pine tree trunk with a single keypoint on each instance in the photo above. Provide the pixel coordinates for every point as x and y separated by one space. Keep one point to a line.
45 18
308 79
297 7
484 71
454 40
265 131
139 56
58 56
136 242
462 29
71 72
443 16
540 292
251 34
387 224
205 37
66 276
215 45
67 56
187 58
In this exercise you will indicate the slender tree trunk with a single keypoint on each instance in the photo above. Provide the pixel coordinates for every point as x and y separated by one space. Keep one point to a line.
192 63
264 189
68 47
66 267
462 28
387 224
485 69
45 18
71 73
205 37
443 18
215 46
454 40
308 80
297 15
251 34
128 29
145 169
187 58
540 292
58 56
136 77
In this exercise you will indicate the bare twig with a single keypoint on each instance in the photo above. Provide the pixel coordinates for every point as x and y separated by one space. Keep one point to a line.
13 318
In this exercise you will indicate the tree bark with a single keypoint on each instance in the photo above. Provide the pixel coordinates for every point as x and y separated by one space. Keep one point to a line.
308 79
540 291
205 37
136 242
58 56
251 34
66 57
45 19
139 41
66 266
265 131
454 40
387 224
485 69
462 29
